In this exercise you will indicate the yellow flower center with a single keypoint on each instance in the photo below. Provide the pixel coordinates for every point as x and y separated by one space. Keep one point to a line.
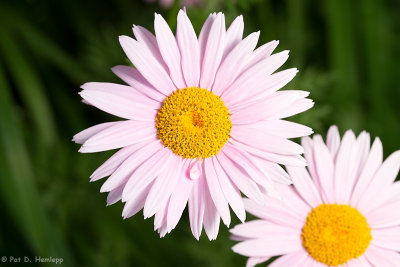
334 234
193 123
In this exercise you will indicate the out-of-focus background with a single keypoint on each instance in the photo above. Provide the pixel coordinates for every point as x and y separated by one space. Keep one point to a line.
347 53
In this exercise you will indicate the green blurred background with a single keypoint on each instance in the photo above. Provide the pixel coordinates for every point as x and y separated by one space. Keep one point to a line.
347 53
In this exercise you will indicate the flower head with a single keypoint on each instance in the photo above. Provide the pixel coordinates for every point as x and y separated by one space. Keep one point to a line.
342 211
203 123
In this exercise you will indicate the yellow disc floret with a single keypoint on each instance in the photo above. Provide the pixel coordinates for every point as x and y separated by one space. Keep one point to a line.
334 234
193 123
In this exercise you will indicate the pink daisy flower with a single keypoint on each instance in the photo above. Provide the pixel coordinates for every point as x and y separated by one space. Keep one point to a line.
203 123
343 211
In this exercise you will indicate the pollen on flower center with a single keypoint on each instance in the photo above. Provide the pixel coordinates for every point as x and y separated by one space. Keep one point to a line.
334 234
193 123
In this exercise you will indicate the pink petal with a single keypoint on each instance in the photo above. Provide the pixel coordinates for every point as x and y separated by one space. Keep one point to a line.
196 207
215 190
324 167
385 216
292 201
345 168
256 80
333 140
204 33
282 128
231 193
234 34
119 135
247 163
251 262
148 39
136 202
214 49
385 175
124 171
363 145
294 259
246 91
147 172
304 185
268 246
169 50
386 196
373 162
263 229
257 138
272 171
189 49
234 62
120 100
84 135
387 238
240 179
211 216
261 53
160 217
297 107
115 195
147 65
266 109
281 159
133 77
381 257
359 262
163 186
110 165
179 197
274 212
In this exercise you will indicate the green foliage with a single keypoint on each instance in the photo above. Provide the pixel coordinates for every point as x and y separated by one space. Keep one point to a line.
343 49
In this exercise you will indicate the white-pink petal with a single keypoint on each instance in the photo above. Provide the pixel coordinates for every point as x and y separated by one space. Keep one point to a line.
147 64
234 34
373 162
119 135
148 39
136 80
233 63
147 172
120 100
268 246
345 168
294 259
211 216
216 192
179 197
84 135
163 186
111 164
387 238
196 206
213 50
333 140
189 49
240 179
257 138
382 257
261 53
324 168
304 185
169 50
231 193
136 202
